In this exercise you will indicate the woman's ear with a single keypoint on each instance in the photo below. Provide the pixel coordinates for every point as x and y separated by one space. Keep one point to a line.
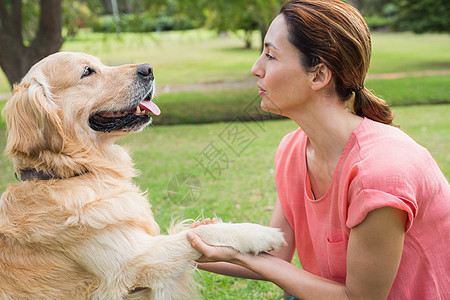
322 76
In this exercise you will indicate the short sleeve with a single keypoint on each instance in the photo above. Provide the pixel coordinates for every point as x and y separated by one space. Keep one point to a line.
368 199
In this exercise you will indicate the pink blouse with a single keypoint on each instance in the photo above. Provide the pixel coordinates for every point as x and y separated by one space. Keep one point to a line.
380 166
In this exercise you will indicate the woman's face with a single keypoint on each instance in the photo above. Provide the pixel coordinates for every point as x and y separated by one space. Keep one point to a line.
283 82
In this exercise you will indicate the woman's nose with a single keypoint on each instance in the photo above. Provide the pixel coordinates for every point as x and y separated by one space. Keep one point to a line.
257 69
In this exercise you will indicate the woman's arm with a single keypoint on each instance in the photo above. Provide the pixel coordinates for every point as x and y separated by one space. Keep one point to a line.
373 256
277 220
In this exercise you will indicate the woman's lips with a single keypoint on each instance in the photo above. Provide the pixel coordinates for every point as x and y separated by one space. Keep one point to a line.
261 91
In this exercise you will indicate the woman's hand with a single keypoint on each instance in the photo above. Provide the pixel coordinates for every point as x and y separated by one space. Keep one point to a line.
212 253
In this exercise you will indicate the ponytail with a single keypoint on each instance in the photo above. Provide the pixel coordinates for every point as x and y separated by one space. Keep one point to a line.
370 106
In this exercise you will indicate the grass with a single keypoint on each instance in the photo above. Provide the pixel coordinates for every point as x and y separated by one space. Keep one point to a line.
406 52
245 179
412 90
246 182
198 56
226 105
185 57
243 189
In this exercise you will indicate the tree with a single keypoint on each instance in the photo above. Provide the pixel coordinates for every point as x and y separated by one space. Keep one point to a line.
75 15
234 15
17 54
370 7
422 16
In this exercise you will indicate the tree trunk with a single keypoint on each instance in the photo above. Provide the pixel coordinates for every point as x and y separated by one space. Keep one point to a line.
248 34
16 58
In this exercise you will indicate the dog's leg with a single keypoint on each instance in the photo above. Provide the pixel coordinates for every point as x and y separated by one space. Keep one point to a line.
164 265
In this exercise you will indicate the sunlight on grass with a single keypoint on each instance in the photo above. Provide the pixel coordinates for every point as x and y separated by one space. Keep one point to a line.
244 190
197 56
405 52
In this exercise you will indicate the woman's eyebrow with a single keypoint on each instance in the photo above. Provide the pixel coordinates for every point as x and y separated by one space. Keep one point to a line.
269 44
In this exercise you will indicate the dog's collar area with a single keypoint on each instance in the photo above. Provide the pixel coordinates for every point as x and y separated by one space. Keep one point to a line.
30 174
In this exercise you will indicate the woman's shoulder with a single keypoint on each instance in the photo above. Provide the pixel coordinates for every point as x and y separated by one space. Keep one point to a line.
370 130
293 137
386 154
292 145
380 141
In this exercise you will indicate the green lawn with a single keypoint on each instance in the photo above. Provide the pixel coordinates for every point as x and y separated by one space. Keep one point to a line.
162 152
244 190
225 105
198 56
241 188
412 90
406 52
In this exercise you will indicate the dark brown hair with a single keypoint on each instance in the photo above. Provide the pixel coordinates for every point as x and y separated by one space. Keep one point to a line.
334 33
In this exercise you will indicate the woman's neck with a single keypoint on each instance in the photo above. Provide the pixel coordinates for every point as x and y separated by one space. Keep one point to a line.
328 125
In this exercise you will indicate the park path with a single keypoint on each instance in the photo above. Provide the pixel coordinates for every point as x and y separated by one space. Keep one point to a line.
162 89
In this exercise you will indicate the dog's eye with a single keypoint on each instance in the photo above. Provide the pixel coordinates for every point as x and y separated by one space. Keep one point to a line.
88 71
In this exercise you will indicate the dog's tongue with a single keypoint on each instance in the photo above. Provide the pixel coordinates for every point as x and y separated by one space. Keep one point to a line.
150 106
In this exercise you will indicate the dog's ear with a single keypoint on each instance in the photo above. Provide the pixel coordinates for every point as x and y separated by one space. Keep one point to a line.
32 120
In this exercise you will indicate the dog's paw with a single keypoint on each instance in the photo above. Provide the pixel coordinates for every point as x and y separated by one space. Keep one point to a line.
244 237
259 238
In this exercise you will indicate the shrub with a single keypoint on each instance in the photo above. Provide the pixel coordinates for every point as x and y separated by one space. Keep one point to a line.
140 23
377 23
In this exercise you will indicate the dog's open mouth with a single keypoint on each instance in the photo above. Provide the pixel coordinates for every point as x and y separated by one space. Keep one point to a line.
125 120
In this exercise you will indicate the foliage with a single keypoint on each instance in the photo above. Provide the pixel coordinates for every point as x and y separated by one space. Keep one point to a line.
234 15
21 47
422 16
370 7
377 22
140 23
418 16
76 15
30 20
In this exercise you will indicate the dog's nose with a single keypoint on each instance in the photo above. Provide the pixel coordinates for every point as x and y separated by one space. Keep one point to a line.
145 71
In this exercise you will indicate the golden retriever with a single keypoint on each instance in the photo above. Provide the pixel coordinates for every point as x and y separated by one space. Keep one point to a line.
76 227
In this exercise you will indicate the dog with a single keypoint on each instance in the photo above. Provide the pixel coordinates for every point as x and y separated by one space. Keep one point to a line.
75 226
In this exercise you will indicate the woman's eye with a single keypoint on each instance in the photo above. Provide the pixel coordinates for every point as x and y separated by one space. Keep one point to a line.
87 72
269 56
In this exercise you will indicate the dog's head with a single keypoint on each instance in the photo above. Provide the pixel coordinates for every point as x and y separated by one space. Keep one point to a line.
70 100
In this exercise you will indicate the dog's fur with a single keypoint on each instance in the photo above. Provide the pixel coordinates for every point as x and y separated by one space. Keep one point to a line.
86 231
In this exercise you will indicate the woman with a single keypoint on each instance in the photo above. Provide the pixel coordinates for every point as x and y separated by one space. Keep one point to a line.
366 208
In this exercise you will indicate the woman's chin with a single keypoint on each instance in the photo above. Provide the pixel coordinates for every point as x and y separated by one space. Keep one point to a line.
269 106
